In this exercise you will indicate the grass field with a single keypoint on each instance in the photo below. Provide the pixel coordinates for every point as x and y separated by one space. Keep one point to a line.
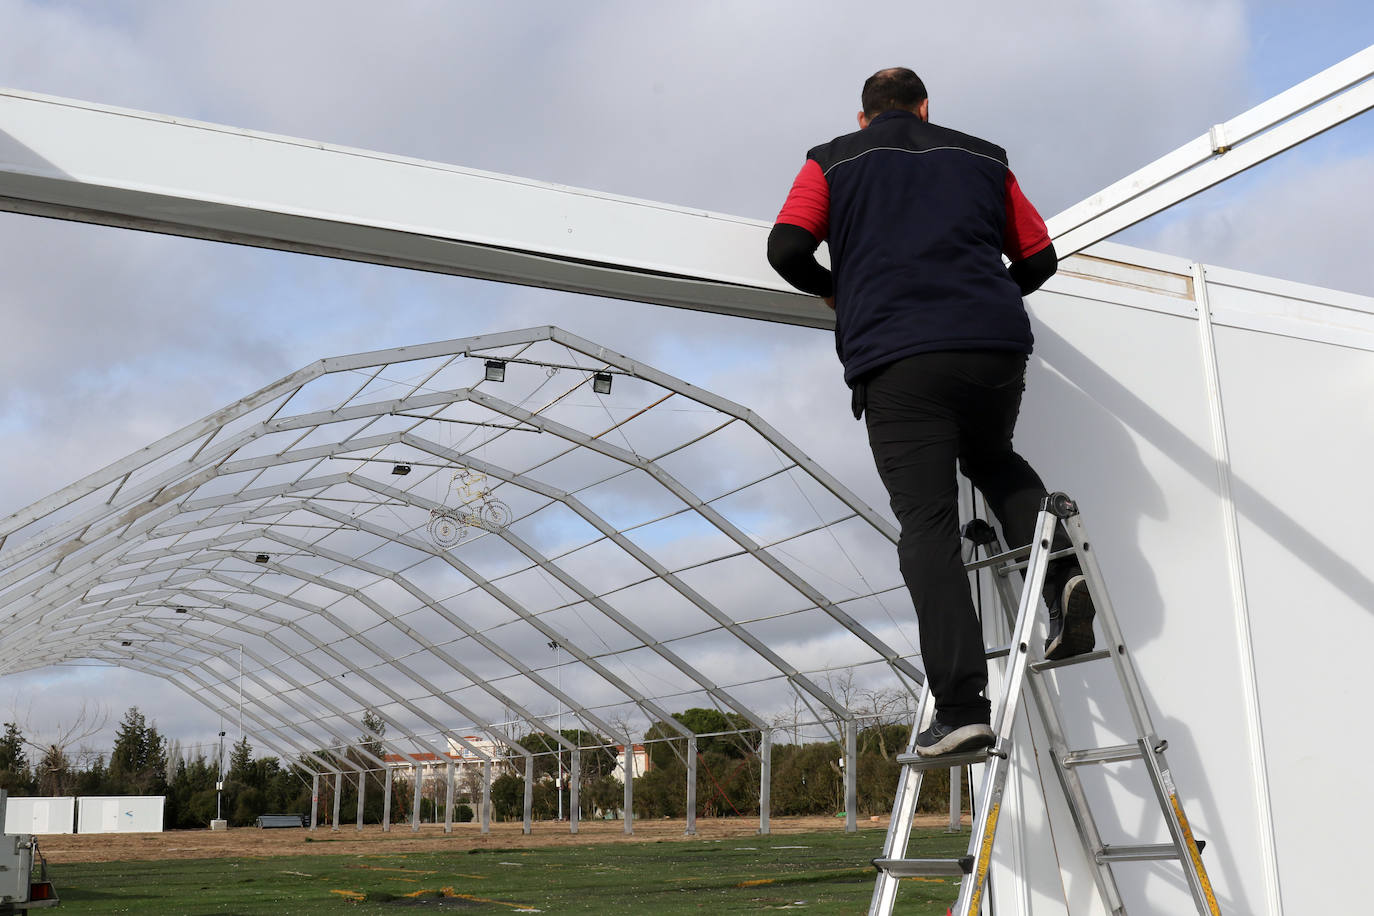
816 872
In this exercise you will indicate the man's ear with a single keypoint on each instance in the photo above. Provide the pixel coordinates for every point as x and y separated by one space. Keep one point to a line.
923 110
863 121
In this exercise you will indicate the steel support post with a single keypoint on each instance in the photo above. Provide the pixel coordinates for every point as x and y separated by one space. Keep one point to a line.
765 779
415 811
315 801
529 794
692 786
628 814
338 800
956 800
851 774
362 790
486 795
386 803
448 798
574 789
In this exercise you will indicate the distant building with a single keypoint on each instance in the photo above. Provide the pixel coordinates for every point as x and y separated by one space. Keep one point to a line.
641 761
467 761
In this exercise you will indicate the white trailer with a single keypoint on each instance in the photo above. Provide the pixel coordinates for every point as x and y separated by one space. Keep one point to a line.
19 893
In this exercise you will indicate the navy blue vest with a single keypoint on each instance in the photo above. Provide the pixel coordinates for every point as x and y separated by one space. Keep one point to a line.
917 219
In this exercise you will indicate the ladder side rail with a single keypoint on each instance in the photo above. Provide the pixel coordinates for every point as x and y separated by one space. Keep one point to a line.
1185 844
903 816
1014 677
1106 616
1080 811
1151 747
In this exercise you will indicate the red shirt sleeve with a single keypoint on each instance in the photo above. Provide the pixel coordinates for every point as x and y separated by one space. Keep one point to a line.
1025 233
808 203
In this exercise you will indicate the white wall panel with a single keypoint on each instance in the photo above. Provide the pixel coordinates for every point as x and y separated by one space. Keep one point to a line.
1117 413
1300 422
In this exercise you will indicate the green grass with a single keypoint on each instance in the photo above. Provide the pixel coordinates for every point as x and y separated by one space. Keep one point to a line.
829 874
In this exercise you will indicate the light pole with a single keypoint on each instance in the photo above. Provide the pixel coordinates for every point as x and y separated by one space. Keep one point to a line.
219 784
558 666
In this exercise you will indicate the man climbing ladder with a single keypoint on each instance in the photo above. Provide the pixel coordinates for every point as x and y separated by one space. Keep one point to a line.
934 338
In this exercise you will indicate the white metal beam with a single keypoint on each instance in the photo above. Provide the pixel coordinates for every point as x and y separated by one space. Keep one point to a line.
1315 105
76 160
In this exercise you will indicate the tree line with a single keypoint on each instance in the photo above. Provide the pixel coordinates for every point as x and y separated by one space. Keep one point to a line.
807 778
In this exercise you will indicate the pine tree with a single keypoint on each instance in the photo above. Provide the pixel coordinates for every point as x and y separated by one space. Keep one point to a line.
15 775
374 725
241 768
138 763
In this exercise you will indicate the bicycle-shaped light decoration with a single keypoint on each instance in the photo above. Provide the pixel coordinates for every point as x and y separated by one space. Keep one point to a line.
477 508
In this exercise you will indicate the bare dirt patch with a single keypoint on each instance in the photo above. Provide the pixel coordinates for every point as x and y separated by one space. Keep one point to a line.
242 842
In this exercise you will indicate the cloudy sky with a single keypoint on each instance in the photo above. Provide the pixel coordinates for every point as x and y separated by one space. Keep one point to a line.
115 338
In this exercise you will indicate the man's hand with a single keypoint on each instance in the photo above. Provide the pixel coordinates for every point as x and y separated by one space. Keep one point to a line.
830 301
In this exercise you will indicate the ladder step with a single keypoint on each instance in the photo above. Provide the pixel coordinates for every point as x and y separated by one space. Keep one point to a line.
1100 654
1102 755
1012 567
925 868
944 761
1144 853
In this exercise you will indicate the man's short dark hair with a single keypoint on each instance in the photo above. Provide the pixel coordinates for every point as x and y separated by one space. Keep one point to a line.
893 88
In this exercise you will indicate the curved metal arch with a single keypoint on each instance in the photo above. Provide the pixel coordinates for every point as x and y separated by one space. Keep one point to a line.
552 493
206 686
722 524
131 661
340 687
209 600
410 632
285 698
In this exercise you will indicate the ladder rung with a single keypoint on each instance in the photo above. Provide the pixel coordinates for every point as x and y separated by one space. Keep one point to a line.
997 652
1071 660
944 761
998 558
1022 564
1144 853
1102 755
919 868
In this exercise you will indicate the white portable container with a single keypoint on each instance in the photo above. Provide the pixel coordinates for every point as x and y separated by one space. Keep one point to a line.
119 813
40 815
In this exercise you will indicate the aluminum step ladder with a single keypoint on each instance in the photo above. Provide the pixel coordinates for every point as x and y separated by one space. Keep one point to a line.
1025 663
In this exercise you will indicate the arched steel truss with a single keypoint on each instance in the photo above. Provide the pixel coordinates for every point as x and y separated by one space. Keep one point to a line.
279 560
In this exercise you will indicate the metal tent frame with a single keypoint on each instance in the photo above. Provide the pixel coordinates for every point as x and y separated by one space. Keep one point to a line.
297 525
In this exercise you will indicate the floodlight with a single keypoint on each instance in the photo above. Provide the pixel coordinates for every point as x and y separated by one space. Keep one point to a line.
125 642
181 610
261 558
496 370
601 383
400 470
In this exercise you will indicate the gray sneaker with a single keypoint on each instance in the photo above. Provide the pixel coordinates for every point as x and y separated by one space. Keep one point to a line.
941 739
1071 624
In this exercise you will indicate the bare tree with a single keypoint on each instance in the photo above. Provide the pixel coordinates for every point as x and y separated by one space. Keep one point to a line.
789 720
174 753
55 755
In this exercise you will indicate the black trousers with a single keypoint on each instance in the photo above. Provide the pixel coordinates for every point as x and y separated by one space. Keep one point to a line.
925 414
